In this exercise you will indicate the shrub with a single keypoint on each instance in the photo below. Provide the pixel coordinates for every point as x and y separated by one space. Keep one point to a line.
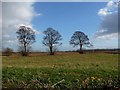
7 52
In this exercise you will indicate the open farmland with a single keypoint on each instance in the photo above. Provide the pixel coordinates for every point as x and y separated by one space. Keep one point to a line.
61 71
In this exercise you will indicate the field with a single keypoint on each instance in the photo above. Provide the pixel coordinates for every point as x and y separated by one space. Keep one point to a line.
61 71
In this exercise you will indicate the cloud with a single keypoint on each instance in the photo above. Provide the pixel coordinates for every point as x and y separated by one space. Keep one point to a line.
105 44
109 21
15 14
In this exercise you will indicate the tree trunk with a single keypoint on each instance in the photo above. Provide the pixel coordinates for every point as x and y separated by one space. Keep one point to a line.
51 51
81 52
80 47
25 51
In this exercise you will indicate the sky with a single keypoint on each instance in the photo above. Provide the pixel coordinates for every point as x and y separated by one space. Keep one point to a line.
98 20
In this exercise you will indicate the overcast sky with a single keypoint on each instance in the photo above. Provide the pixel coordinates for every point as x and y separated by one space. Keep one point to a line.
99 20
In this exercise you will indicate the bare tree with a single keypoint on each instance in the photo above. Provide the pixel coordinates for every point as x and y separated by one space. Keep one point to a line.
26 37
51 39
80 39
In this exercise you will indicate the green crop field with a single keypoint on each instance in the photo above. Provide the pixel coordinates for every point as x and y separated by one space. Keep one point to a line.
61 71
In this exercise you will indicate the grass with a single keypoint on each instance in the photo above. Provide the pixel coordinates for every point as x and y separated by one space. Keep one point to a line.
61 71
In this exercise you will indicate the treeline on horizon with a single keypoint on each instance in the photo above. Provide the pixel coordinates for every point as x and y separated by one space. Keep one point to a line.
109 51
114 49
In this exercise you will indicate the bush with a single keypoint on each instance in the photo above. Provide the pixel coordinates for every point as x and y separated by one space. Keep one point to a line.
7 52
22 51
81 52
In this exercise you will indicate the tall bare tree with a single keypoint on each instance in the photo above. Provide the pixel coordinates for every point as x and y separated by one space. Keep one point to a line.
80 39
26 37
51 39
